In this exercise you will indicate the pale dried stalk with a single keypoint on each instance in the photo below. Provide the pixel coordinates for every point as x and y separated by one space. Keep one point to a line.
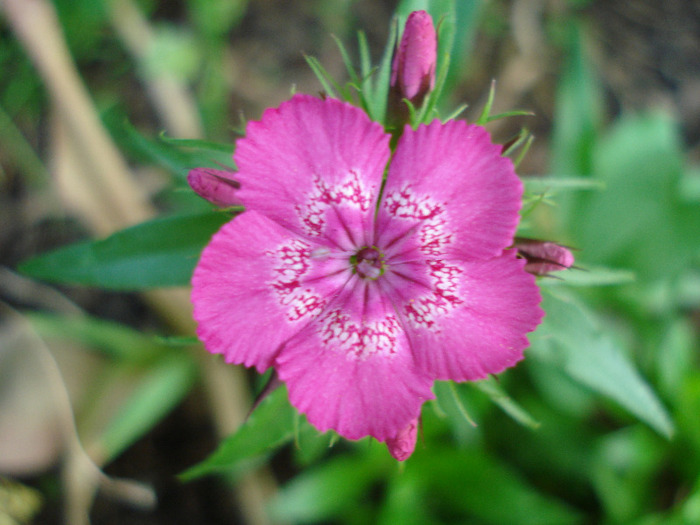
169 96
110 199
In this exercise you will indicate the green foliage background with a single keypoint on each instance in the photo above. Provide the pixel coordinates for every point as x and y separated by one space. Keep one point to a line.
599 424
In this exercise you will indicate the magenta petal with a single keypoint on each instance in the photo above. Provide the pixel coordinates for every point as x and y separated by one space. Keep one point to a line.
310 160
250 293
403 444
450 185
352 370
474 319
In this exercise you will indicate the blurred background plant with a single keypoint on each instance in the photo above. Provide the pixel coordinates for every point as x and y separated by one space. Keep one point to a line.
104 395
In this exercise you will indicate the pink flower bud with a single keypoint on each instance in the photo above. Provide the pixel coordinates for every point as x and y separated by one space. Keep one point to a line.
217 186
543 257
402 446
413 69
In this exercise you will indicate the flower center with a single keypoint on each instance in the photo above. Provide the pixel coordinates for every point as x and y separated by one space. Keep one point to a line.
368 263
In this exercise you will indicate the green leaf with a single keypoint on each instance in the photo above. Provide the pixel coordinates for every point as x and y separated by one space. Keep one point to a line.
571 339
405 503
331 490
589 276
330 86
162 252
640 222
115 340
177 156
271 425
499 396
578 113
473 484
552 184
201 145
378 94
163 387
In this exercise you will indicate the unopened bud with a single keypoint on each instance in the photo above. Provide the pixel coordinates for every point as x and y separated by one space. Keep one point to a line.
217 186
543 257
413 68
404 443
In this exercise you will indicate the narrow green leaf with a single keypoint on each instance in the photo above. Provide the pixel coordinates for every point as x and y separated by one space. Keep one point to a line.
202 145
456 113
115 340
177 156
495 391
365 69
484 115
548 184
269 426
590 276
528 143
378 100
507 114
163 387
570 338
429 110
329 85
162 252
346 60
578 109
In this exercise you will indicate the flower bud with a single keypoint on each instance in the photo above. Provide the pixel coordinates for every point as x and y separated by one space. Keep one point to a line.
402 446
217 186
543 257
413 68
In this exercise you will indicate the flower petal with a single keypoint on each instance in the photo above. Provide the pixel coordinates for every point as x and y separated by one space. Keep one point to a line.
352 370
473 319
310 159
449 186
255 287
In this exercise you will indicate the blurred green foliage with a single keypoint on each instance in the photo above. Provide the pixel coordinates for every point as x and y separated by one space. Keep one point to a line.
601 422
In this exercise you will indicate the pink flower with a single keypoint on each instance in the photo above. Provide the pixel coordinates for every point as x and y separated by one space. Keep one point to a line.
361 296
543 257
413 68
217 186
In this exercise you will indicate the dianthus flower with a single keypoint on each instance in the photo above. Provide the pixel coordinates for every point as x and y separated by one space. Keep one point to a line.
360 294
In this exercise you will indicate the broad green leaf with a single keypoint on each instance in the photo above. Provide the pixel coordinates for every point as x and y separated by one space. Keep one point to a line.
406 502
269 426
165 384
624 471
162 252
473 484
570 338
640 222
675 357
